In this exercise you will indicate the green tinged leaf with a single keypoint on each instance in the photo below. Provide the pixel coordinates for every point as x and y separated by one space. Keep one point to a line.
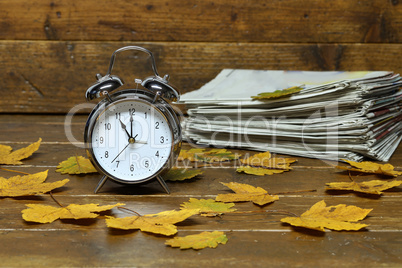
277 93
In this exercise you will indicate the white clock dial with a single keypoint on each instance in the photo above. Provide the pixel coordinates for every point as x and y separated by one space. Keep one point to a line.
131 140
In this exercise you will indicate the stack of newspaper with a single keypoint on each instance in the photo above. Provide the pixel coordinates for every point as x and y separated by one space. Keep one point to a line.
337 115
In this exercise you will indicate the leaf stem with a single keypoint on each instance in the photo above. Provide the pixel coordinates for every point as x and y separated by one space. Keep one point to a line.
54 199
129 210
299 191
16 171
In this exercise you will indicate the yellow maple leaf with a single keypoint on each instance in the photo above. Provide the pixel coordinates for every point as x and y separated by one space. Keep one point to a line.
48 214
340 217
280 93
76 165
28 185
371 167
161 223
245 192
180 174
208 207
9 157
368 187
210 156
199 241
259 171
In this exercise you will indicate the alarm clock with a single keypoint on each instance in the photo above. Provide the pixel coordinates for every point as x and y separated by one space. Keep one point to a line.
132 135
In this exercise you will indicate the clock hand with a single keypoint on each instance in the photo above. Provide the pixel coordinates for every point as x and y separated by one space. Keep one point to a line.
120 152
124 127
131 123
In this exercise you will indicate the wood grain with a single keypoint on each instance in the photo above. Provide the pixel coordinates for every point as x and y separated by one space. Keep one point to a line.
295 21
52 76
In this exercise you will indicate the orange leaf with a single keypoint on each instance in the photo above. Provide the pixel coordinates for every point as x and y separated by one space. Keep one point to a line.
371 167
8 157
368 187
198 241
210 156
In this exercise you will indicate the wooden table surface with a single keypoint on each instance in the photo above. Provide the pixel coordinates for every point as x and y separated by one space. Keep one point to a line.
255 239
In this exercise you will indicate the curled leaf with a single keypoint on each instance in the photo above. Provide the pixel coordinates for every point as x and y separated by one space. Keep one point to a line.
245 192
281 93
161 223
76 165
208 207
9 157
199 241
180 174
259 171
340 217
210 156
48 214
28 185
368 187
371 167
264 164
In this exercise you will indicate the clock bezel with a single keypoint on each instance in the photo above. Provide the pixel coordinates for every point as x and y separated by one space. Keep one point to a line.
136 95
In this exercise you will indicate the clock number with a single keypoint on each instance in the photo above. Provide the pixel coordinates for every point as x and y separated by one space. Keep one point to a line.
146 164
132 168
156 125
162 139
108 126
101 140
106 154
118 162
131 111
117 116
157 154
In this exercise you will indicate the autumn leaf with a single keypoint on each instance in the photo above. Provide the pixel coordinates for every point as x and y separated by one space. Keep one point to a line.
9 157
76 165
199 241
161 223
368 187
180 174
28 185
340 217
208 207
48 214
245 192
259 171
371 167
210 156
277 93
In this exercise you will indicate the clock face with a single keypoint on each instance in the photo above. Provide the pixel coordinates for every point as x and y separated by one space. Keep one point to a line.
131 140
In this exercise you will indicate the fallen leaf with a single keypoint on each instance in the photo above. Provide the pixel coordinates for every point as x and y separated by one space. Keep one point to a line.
371 167
161 223
76 165
208 207
48 214
210 156
181 174
259 171
277 93
28 185
199 241
368 187
245 192
8 157
340 217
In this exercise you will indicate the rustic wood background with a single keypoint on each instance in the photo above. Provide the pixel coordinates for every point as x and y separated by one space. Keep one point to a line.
51 50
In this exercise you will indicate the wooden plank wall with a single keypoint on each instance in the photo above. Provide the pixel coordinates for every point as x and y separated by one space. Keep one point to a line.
51 49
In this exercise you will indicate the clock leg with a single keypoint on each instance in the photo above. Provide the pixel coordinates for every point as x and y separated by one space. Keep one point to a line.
101 183
163 184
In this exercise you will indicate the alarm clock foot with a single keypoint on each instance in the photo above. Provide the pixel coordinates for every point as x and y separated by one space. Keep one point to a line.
101 183
163 184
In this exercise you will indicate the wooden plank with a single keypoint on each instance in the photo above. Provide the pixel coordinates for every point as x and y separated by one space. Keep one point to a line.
51 77
218 21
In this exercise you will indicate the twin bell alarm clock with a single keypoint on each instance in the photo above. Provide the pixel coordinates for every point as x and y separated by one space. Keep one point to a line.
132 135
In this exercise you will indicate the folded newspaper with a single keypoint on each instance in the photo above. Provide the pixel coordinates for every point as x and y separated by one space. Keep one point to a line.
336 115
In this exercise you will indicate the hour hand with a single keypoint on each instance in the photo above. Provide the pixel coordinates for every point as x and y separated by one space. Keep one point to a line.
124 127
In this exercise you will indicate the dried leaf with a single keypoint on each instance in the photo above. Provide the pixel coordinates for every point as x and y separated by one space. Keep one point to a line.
277 93
28 185
208 207
245 192
76 165
8 157
371 167
340 217
368 187
259 171
213 155
47 214
161 223
181 174
199 241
